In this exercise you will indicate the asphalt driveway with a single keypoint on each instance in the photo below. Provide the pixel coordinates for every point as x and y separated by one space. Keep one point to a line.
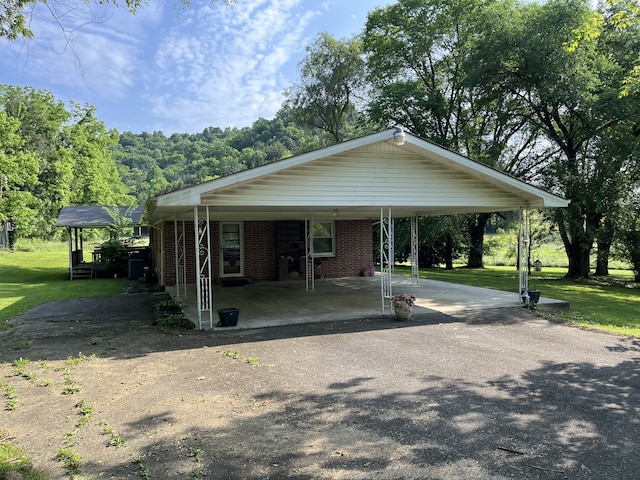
484 395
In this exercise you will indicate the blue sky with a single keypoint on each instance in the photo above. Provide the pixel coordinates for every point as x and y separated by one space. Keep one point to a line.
173 69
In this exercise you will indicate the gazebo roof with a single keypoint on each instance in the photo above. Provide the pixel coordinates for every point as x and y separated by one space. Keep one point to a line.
94 216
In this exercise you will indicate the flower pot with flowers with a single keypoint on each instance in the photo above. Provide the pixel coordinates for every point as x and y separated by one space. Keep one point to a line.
403 305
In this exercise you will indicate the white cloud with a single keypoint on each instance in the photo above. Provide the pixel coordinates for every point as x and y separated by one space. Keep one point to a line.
223 64
90 49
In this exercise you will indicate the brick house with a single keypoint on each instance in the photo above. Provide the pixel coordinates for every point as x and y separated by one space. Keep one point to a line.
314 213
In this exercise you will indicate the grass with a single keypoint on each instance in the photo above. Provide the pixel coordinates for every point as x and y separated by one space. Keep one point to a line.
71 460
31 278
603 303
13 459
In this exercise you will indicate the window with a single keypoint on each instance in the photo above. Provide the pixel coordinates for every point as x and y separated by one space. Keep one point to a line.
323 239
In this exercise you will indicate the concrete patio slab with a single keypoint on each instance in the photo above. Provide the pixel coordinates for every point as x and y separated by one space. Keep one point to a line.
267 304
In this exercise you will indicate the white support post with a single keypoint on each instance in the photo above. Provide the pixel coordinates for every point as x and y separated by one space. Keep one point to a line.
415 272
309 260
386 258
523 252
203 267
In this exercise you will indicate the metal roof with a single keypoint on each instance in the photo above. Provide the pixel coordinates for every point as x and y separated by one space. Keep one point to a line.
94 216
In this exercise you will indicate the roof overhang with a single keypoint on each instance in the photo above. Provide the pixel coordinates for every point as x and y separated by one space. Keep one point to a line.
355 180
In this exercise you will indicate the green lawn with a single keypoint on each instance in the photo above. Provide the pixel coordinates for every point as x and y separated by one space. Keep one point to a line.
611 304
30 278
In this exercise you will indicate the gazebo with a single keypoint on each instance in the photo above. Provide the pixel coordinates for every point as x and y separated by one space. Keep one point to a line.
76 218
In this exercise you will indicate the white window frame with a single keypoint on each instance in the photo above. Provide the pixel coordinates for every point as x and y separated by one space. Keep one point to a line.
241 252
332 253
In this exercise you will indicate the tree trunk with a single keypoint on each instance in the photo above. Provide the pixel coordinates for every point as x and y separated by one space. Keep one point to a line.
602 259
448 253
576 246
605 239
476 224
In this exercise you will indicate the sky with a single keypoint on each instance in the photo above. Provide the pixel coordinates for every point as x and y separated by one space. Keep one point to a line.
175 69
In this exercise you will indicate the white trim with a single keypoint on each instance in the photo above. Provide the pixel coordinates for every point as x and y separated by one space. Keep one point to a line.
241 248
386 258
332 253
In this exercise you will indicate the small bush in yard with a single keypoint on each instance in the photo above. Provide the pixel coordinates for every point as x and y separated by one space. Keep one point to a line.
168 315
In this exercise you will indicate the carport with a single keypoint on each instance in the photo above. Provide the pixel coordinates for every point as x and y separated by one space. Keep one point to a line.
376 178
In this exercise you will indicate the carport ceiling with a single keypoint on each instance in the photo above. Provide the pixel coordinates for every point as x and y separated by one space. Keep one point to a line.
354 180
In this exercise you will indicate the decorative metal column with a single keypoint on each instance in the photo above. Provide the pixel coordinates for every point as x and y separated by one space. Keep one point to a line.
386 257
203 267
181 266
415 272
309 260
523 252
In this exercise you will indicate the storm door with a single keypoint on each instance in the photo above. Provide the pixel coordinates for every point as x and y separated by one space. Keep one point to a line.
231 256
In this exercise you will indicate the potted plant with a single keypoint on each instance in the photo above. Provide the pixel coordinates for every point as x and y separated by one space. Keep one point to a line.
403 305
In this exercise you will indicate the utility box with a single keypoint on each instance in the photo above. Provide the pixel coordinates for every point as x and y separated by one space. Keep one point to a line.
136 268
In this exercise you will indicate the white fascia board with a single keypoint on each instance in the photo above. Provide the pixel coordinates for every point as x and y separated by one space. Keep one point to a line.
549 199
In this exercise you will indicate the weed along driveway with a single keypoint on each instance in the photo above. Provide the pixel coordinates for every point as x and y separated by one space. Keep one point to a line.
97 389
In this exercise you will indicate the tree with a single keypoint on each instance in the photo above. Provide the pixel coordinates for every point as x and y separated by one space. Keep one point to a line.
441 240
630 232
96 180
416 57
71 151
625 14
15 15
18 169
564 63
331 87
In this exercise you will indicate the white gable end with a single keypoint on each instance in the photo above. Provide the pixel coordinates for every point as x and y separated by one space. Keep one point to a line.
376 175
354 180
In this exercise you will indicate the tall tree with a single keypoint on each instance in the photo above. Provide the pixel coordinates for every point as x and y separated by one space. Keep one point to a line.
72 151
18 169
95 179
331 87
563 61
417 51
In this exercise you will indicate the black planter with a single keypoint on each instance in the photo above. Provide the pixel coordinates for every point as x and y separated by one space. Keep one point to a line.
534 296
228 317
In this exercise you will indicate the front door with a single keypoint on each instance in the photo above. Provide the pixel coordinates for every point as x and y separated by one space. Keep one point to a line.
231 257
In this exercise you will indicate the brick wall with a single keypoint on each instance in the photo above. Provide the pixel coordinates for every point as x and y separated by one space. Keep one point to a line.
354 250
260 256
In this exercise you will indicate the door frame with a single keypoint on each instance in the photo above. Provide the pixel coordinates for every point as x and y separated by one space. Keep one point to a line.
241 247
